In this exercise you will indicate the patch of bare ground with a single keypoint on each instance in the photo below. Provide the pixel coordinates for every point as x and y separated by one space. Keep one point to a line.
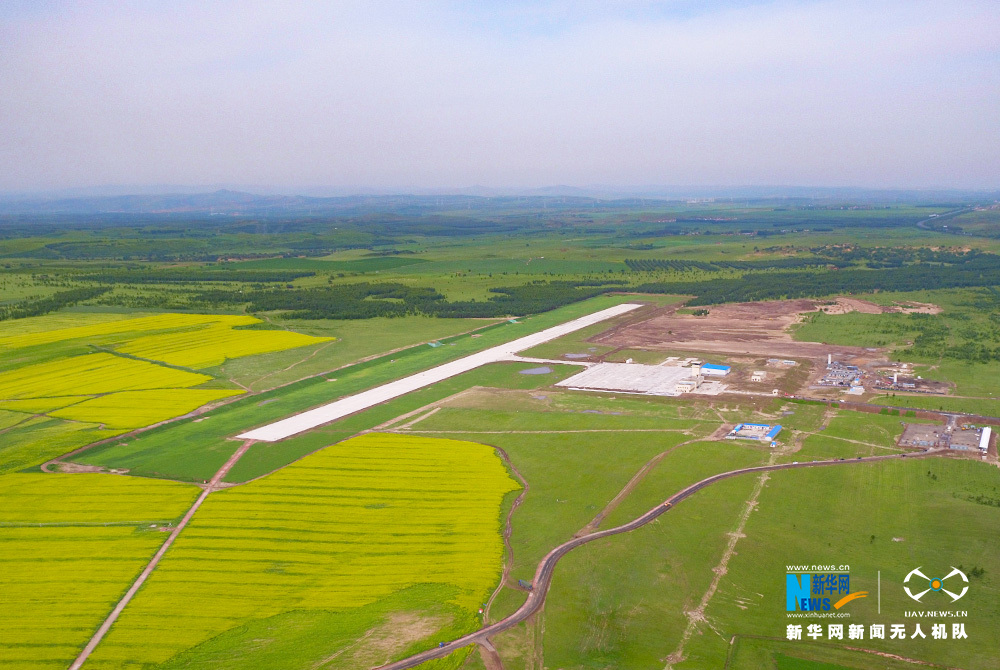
918 307
74 468
491 659
750 328
847 305
377 646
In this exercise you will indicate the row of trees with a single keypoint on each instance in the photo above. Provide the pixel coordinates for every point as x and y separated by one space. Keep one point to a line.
653 265
183 275
976 270
53 302
390 299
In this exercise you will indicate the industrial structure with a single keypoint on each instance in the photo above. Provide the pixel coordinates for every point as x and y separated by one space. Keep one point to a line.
711 369
761 432
966 437
840 374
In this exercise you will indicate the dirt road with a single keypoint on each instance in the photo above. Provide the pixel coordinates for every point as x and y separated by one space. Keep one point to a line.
543 574
155 561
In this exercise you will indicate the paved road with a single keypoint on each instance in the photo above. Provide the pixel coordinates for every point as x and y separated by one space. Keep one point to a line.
947 215
294 425
543 574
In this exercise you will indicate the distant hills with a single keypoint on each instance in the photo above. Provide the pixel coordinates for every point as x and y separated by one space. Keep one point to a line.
225 202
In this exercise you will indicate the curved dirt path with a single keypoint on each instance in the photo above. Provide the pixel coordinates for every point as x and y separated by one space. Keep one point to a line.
628 488
546 568
508 529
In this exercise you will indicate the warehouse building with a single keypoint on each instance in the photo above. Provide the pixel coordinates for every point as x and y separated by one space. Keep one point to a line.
710 369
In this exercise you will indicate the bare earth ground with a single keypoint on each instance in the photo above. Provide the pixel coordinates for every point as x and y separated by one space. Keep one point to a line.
378 645
758 328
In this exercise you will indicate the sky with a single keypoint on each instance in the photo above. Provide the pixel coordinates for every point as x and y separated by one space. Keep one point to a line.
508 94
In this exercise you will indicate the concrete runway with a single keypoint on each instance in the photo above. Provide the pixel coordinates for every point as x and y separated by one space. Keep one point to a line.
294 425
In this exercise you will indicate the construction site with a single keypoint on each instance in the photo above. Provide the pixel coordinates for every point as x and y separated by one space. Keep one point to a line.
761 432
962 437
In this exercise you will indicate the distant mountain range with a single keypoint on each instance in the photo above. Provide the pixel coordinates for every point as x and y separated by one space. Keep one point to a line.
225 202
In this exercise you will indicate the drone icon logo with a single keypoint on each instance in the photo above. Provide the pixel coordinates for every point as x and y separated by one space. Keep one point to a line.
936 584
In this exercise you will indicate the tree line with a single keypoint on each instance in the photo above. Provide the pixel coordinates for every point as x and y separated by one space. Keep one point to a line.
391 299
976 270
26 308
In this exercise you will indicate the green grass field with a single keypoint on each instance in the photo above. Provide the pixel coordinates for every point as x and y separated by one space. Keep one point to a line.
564 497
889 517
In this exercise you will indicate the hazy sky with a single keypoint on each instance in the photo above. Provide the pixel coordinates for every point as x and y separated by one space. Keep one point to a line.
403 94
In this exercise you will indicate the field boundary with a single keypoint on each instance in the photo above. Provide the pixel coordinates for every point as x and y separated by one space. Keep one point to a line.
155 560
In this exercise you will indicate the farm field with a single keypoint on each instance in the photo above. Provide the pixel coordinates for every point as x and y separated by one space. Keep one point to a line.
563 498
39 439
73 371
71 547
92 374
352 341
134 409
339 530
332 551
193 449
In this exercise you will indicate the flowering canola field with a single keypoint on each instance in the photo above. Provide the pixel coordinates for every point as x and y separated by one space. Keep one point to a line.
61 578
145 372
339 529
213 343
134 409
187 340
92 374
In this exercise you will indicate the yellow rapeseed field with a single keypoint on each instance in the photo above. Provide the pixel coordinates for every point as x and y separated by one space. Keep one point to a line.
63 327
134 409
41 405
187 340
92 498
58 379
91 374
341 528
62 567
211 345
55 322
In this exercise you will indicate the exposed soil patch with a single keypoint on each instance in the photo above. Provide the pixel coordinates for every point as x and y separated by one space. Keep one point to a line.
846 305
918 307
754 328
74 468
379 644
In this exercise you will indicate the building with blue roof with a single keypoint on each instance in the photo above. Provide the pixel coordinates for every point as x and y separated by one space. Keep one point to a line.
715 370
